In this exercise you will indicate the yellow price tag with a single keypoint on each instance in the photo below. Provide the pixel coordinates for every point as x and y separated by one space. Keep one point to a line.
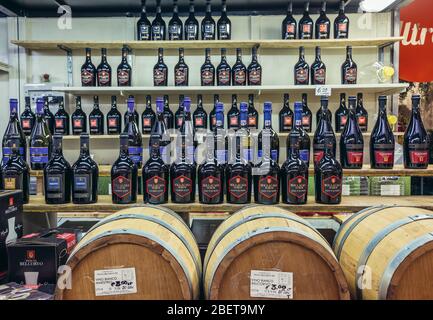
392 119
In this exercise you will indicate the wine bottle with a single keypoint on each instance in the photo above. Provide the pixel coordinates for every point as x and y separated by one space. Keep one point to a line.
199 116
27 118
254 70
160 70
286 115
267 180
40 139
224 25
349 69
318 70
79 118
239 71
219 135
124 176
288 27
158 24
136 115
181 71
168 114
382 142
207 71
223 70
319 116
57 176
328 176
48 115
351 141
144 26
114 118
208 24
96 118
88 71
124 70
104 70
299 135
341 114
253 115
85 175
148 117
323 24
306 24
302 69
212 114
191 24
324 131
61 120
416 140
361 113
179 114
243 133
268 139
307 116
341 24
233 114
13 129
135 149
160 132
175 27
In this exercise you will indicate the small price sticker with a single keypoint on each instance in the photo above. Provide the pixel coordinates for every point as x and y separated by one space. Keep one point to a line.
323 91
271 284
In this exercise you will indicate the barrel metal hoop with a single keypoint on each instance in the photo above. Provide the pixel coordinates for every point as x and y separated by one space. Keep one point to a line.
398 258
368 250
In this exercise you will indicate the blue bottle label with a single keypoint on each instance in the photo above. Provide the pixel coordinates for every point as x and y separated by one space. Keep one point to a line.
274 155
304 155
248 154
7 152
54 183
136 154
221 156
38 154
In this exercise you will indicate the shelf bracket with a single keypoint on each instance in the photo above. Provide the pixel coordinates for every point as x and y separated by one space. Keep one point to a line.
69 66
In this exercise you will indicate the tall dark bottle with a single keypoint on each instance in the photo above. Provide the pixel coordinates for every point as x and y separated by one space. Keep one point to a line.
302 69
13 129
179 114
239 71
78 118
324 131
207 71
114 118
136 115
288 27
328 176
300 136
268 139
175 26
124 70
158 24
57 176
187 131
16 172
221 143
318 70
135 148
144 27
191 24
208 24
349 69
181 71
88 71
306 24
307 115
168 114
416 140
224 25
254 70
382 142
253 114
319 116
212 114
160 132
351 141
267 180
341 24
223 71
27 118
40 140
85 175
48 115
96 118
323 24
124 176
200 115
233 114
160 70
148 117
61 120
286 115
341 114
104 70
361 113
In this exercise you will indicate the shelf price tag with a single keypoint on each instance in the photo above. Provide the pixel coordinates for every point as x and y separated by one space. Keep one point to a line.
271 284
323 91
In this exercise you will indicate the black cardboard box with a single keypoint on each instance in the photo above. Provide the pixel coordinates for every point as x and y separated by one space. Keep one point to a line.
15 291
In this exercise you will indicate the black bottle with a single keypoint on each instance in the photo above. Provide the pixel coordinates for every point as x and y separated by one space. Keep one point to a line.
286 115
239 71
160 70
61 120
96 118
382 142
12 131
168 114
144 26
302 69
268 139
306 24
179 114
27 118
124 176
88 71
307 116
175 27
318 70
114 118
323 24
341 114
191 24
288 27
148 117
104 70
324 131
416 140
254 70
78 118
85 175
341 24
253 115
351 141
212 114
233 114
124 70
181 71
224 25
57 176
135 149
207 71
267 180
158 24
319 116
16 172
223 71
299 135
208 24
136 115
160 133
40 140
48 115
349 69
199 116
361 113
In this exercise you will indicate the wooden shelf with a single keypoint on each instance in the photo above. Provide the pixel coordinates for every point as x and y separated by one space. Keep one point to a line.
200 44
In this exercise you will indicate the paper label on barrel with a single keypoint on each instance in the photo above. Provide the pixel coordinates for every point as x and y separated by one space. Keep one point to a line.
271 284
112 282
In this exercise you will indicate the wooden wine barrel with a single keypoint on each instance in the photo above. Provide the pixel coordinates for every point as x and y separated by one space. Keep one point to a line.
154 241
262 240
388 251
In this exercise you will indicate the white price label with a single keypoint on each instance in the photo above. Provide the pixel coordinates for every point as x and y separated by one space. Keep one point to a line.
271 284
323 91
111 282
390 190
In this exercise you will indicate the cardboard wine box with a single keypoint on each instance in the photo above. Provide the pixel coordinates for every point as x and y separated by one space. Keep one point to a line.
15 291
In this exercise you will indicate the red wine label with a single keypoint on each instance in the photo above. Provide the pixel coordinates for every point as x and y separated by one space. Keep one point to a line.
362 120
213 120
159 77
342 27
234 121
302 76
207 77
240 77
121 186
290 28
343 120
123 77
268 186
323 28
78 123
182 186
255 76
252 121
287 121
355 157
25 123
211 187
350 75
384 156
93 123
104 77
306 28
112 122
179 121
199 122
238 186
224 77
320 76
86 77
298 187
419 156
332 186
59 123
318 155
147 122
306 121
180 76
156 186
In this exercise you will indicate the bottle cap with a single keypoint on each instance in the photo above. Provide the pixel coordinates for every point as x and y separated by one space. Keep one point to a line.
219 107
416 97
383 98
40 105
131 104
352 98
187 104
267 106
244 107
14 105
159 105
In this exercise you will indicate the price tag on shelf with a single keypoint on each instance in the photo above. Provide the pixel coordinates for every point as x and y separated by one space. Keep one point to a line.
112 282
323 91
271 284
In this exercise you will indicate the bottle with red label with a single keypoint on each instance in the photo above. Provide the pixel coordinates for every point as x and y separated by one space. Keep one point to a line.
96 118
286 115
104 70
179 114
349 69
48 115
268 139
78 118
27 118
233 114
114 118
416 140
306 24
299 135
212 114
124 176
253 115
328 176
323 24
302 69
307 115
181 71
324 131
124 70
88 71
318 70
288 27
160 71
135 149
351 141
239 71
254 70
168 114
319 116
341 114
207 71
147 117
341 24
61 120
200 115
361 113
223 71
